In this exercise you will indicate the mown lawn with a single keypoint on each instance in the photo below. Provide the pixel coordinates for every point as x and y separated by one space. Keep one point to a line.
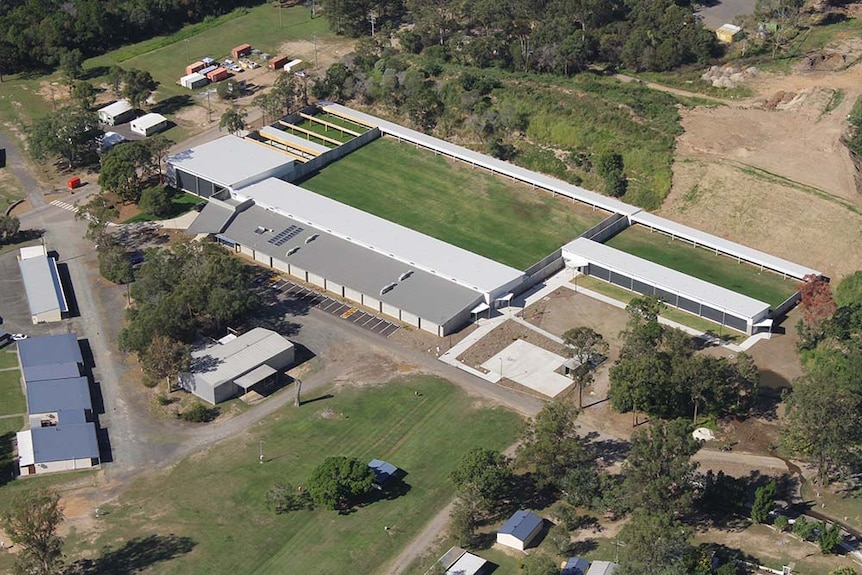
470 208
216 498
11 396
703 264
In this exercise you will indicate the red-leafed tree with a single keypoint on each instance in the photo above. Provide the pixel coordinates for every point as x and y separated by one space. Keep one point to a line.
816 299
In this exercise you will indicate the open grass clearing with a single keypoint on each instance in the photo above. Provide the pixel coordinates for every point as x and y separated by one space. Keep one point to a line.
216 498
343 122
670 313
11 395
322 141
704 264
180 204
325 131
468 207
8 358
10 425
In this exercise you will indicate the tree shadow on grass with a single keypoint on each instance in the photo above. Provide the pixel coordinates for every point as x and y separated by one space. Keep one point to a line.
173 104
8 467
135 556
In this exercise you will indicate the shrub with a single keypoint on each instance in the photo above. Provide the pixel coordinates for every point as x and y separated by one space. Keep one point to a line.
804 529
781 522
199 413
114 264
284 497
163 400
156 201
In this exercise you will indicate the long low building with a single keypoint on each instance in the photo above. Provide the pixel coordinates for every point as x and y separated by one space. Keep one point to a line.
45 293
675 288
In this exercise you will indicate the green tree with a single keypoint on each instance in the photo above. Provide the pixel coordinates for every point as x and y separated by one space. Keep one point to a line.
655 543
560 539
138 85
849 290
781 522
486 475
463 521
115 79
586 346
551 445
658 471
843 570
84 93
114 263
233 120
9 226
764 501
98 212
31 521
71 65
119 175
539 564
166 358
339 481
69 133
157 201
829 538
803 528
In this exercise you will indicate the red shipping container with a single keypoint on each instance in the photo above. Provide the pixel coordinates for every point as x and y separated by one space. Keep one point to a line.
218 75
240 51
74 182
278 62
194 67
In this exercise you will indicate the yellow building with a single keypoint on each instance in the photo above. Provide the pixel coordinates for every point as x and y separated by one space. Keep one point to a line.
728 33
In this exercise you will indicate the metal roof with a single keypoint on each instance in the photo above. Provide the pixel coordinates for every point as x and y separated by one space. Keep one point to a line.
147 121
293 140
467 564
723 245
424 294
383 470
117 108
665 278
42 284
257 374
603 568
575 566
49 395
50 371
398 242
212 219
50 349
64 442
230 160
521 524
217 364
493 164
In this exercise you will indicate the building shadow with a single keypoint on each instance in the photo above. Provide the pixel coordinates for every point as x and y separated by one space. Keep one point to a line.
173 104
8 468
134 556
68 289
106 450
94 72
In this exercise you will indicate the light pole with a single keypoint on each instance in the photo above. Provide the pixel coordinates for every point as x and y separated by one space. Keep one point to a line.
280 19
260 451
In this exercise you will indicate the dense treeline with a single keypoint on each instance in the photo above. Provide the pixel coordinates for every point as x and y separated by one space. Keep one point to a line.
34 34
552 36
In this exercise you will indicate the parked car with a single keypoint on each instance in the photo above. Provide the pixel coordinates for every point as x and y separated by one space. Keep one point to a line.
18 336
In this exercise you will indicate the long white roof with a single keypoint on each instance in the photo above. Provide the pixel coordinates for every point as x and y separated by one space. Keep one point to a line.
414 248
725 246
293 140
230 160
493 164
665 278
42 284
217 364
117 108
148 121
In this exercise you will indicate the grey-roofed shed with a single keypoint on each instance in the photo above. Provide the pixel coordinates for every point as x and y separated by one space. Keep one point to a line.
357 273
52 395
575 566
226 163
44 291
50 357
60 448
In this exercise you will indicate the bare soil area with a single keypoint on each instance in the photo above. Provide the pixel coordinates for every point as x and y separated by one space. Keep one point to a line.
500 338
771 172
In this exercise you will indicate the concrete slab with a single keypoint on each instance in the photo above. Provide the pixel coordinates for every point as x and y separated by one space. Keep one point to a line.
530 366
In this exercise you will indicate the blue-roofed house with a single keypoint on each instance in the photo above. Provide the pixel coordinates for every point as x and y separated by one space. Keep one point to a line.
62 447
50 357
50 400
520 530
575 566
384 473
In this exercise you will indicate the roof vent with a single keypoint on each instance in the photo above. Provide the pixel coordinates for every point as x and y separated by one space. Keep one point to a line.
311 238
292 251
405 275
259 230
388 288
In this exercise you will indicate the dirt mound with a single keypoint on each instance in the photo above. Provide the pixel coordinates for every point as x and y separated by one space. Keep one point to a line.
819 62
727 76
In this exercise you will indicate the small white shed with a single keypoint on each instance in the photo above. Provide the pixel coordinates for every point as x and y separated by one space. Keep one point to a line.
116 113
194 80
149 124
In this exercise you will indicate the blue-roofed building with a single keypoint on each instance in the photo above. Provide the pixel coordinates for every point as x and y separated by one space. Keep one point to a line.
62 447
575 566
384 472
520 530
50 357
49 398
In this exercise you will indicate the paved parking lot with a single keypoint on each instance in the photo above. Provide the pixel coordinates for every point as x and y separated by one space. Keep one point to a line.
331 306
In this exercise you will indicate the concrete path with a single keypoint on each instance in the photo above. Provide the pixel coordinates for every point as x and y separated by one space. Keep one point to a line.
16 164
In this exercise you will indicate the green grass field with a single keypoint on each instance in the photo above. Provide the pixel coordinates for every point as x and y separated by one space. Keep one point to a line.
470 208
181 204
11 395
216 498
704 264
323 130
8 358
343 122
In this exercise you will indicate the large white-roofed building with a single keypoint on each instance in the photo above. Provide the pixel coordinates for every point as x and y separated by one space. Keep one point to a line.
677 289
228 163
235 365
116 113
45 293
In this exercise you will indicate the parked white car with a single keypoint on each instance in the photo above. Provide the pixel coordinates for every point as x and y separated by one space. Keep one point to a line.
18 336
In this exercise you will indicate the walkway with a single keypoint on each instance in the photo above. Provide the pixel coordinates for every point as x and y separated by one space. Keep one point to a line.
15 163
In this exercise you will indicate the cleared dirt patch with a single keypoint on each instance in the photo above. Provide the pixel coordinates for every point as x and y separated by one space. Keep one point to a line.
500 337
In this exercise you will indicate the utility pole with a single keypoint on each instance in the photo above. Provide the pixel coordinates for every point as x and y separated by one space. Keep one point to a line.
188 54
260 451
280 19
314 40
209 110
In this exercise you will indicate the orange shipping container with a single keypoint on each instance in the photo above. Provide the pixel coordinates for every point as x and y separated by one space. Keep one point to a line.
240 51
192 68
74 182
218 75
278 62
